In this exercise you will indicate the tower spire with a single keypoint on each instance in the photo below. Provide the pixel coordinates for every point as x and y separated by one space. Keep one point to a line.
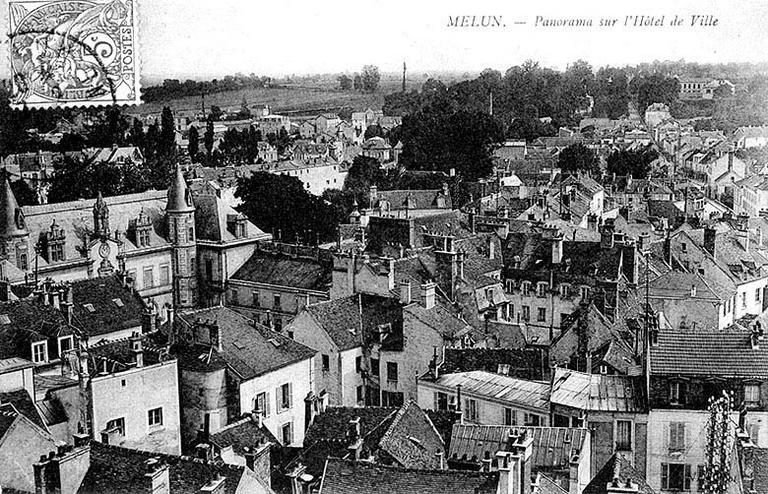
179 198
13 224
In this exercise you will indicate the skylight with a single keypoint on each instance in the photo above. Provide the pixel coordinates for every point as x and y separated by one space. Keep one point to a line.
118 302
4 319
238 345
89 307
274 342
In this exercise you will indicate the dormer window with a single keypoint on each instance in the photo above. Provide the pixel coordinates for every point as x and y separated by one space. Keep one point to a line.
565 290
141 228
65 344
676 392
53 243
541 289
525 287
584 293
40 352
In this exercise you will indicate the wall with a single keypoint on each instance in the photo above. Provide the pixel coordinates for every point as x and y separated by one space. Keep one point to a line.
20 448
145 388
301 376
20 379
350 377
292 300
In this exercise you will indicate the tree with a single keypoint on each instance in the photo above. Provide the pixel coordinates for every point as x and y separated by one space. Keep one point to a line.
24 194
345 82
208 138
357 83
654 88
137 133
370 78
364 172
374 130
193 146
167 144
632 162
245 111
719 446
578 158
311 218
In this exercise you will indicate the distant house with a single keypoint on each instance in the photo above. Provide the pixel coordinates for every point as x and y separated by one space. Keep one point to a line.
750 137
377 147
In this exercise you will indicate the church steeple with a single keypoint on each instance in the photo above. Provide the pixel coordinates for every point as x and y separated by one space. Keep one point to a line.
100 217
179 197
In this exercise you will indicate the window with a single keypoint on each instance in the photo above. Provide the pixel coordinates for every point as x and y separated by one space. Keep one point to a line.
565 290
143 237
525 287
677 436
532 419
261 403
165 275
23 261
235 297
441 401
149 278
255 298
541 316
526 313
118 424
359 394
284 398
684 247
155 417
510 417
358 364
700 472
278 324
40 352
57 252
277 304
392 399
757 295
191 234
375 367
752 394
470 408
209 269
676 477
65 344
743 300
286 431
676 393
623 435
584 293
326 362
541 289
392 371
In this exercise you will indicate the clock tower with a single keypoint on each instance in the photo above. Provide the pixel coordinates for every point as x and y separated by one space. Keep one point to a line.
180 212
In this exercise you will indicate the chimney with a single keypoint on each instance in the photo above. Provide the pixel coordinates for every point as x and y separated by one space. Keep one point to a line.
757 336
509 473
41 476
440 459
447 267
460 258
606 234
428 295
668 249
573 475
459 413
434 366
693 291
557 247
643 242
215 486
250 457
137 349
257 417
356 438
405 292
158 476
472 220
522 447
616 486
491 248
215 335
149 319
654 336
204 451
486 462
62 472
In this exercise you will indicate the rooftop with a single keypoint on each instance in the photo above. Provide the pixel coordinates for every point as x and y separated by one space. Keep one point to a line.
530 394
597 392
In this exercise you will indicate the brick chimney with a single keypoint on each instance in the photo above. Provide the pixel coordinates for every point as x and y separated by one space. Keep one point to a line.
521 445
447 269
215 486
428 295
62 472
509 473
158 477
137 349
405 292
606 234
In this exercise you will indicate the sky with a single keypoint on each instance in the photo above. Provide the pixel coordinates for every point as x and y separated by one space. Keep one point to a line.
210 38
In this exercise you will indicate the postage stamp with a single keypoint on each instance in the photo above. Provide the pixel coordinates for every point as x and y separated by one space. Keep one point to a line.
73 53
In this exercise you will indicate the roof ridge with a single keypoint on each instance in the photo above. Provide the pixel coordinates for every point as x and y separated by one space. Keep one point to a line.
469 473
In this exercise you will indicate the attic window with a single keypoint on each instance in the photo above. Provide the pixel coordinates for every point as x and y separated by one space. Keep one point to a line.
118 302
274 342
503 369
89 307
415 441
4 319
240 346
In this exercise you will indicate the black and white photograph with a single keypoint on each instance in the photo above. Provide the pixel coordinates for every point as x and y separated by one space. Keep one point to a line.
383 247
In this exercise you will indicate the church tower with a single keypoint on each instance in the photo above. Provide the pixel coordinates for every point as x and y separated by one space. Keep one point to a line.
100 218
181 233
14 235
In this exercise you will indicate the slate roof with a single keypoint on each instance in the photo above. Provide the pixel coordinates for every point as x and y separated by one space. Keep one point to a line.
275 269
347 477
548 486
342 319
598 392
758 458
553 447
617 465
29 321
703 352
530 394
247 348
211 214
523 363
418 199
242 434
108 316
412 440
23 403
8 416
122 471
119 357
333 423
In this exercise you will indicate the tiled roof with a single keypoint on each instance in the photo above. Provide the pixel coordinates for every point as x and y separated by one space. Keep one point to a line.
626 472
531 394
122 471
241 434
548 486
285 271
108 316
418 199
249 349
553 447
722 353
412 439
348 319
333 423
523 363
597 392
346 477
